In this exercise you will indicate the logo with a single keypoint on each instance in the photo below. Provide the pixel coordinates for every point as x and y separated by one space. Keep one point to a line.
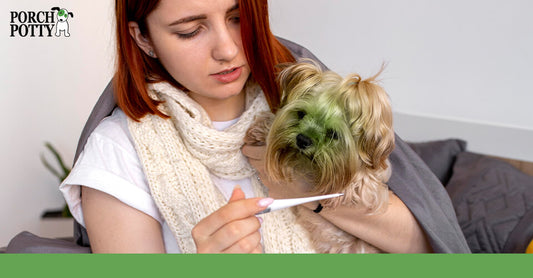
62 24
40 23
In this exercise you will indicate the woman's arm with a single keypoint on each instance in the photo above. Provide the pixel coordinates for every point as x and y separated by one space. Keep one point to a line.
395 230
115 227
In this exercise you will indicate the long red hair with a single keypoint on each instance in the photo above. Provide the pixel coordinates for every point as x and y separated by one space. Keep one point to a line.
135 69
263 51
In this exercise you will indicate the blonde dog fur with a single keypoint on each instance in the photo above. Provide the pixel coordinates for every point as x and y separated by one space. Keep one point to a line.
335 134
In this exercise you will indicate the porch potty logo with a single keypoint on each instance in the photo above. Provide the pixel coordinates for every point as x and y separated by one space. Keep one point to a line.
40 23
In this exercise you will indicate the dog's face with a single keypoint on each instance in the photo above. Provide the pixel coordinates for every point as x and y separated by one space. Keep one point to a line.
62 15
311 137
328 131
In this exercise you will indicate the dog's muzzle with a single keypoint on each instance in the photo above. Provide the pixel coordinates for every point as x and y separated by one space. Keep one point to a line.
303 142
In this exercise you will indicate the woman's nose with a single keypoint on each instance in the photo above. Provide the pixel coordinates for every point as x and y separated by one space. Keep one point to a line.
225 46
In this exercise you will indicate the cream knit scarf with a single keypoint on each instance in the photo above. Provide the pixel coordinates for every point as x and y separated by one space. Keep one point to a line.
179 154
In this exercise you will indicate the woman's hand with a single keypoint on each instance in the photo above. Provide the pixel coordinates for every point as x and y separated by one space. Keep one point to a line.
394 230
256 157
233 228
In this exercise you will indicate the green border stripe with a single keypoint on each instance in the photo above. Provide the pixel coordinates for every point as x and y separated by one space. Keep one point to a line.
377 265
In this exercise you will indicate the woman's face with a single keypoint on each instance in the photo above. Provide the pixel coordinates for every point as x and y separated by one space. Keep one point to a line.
199 44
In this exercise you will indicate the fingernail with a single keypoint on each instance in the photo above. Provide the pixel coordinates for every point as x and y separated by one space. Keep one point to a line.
265 202
260 219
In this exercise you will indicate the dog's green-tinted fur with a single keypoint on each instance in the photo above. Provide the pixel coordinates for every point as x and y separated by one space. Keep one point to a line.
349 126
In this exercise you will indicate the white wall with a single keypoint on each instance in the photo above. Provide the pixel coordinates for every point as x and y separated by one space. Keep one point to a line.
466 63
49 86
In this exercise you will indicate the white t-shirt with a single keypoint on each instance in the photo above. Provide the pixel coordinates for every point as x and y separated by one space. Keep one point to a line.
109 163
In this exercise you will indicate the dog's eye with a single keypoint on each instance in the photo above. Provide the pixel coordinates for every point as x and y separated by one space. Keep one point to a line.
330 133
300 114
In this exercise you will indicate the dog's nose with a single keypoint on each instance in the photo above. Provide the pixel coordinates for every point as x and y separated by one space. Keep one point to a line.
303 142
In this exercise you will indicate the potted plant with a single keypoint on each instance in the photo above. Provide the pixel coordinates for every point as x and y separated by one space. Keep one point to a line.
61 173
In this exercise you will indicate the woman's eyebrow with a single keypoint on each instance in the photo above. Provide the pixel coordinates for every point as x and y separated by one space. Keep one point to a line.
233 8
188 19
201 16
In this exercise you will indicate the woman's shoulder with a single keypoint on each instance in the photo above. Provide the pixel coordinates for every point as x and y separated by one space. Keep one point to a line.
110 148
109 163
113 130
113 125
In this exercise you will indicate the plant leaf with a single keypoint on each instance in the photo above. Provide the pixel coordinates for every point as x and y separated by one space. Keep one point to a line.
64 168
50 168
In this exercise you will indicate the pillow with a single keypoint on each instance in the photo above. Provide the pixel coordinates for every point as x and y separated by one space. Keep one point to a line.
26 242
439 155
494 203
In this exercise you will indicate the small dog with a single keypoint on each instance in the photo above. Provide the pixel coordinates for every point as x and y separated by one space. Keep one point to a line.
335 134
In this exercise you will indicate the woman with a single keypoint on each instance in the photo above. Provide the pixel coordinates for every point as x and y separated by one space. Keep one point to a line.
154 176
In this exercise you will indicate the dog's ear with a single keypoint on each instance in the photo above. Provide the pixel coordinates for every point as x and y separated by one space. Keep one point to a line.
368 107
71 14
298 79
55 9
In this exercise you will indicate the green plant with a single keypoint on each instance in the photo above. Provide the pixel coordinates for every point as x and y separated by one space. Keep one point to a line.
60 173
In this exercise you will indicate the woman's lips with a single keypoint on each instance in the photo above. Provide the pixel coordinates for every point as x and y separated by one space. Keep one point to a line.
228 76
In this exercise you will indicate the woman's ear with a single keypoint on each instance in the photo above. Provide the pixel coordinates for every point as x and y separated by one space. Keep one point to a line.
143 42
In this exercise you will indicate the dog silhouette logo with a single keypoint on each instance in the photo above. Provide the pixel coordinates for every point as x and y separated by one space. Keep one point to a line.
62 21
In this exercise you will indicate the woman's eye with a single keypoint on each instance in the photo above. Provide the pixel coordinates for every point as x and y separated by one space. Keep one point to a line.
235 19
234 16
188 35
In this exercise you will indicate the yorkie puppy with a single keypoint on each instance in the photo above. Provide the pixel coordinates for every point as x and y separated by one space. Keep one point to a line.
335 134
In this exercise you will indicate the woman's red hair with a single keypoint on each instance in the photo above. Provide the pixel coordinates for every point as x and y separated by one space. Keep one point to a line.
263 51
135 69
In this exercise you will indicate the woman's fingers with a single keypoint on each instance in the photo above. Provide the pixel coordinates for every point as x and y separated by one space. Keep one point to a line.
234 211
229 224
248 244
243 237
237 194
232 233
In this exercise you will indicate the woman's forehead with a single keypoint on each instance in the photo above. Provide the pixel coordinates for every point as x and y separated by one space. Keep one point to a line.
172 10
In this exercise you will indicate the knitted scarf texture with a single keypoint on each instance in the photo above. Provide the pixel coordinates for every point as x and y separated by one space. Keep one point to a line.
180 153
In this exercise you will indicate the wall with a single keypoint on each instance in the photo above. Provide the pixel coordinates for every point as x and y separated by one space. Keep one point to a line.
455 68
49 86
